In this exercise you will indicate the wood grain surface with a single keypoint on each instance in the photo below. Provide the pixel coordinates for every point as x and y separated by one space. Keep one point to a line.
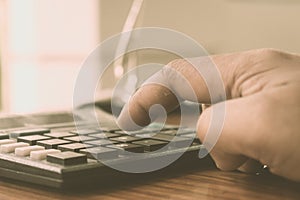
204 183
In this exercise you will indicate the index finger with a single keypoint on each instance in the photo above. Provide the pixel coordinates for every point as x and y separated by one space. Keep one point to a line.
182 79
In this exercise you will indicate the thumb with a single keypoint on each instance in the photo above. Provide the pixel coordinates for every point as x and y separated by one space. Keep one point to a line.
239 138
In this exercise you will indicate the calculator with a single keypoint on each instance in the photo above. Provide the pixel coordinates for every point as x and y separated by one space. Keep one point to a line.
50 149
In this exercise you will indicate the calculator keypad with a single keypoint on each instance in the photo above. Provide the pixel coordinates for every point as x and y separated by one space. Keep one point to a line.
73 147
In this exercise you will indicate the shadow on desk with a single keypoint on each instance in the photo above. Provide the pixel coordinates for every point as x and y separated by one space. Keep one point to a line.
200 182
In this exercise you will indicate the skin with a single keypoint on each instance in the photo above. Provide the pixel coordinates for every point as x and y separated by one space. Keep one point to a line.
262 109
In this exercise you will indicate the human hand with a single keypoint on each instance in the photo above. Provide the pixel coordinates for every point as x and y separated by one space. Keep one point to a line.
261 124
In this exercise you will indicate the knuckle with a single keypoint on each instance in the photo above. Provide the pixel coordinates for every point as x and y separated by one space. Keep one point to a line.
223 166
177 63
270 53
179 66
177 70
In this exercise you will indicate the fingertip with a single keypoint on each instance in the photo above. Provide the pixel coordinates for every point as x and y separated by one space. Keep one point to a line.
251 166
217 143
229 162
127 120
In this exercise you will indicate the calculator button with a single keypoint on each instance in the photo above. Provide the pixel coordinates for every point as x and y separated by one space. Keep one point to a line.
7 141
100 152
106 129
42 154
110 129
59 135
101 142
125 139
145 135
9 148
128 147
25 151
133 132
53 143
37 131
163 137
153 127
32 139
177 141
151 145
169 132
85 131
182 131
67 158
73 147
170 126
80 138
190 135
105 135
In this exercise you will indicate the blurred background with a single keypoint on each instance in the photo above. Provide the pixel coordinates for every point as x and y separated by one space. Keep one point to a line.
44 42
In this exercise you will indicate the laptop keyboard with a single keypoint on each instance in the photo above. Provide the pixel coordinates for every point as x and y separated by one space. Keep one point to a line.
49 156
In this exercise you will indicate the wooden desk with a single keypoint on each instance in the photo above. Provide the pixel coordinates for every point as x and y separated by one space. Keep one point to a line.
204 183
